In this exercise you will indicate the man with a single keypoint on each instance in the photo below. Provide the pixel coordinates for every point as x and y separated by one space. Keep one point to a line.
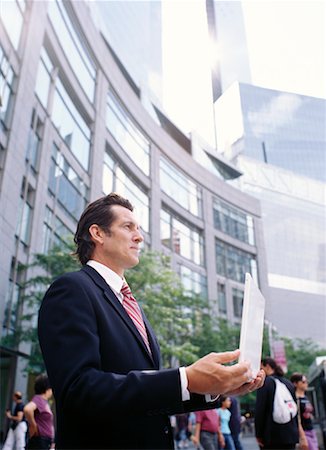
16 438
102 356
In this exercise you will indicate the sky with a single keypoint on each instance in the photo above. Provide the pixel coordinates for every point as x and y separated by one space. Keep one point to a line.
286 45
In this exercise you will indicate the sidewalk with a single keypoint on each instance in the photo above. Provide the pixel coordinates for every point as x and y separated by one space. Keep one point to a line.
248 442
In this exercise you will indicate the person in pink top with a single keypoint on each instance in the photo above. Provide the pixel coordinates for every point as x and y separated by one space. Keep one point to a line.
207 431
39 416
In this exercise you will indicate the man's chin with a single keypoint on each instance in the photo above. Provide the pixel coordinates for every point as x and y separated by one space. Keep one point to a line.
133 262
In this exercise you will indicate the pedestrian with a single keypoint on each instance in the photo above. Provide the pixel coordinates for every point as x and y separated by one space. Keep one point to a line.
102 356
39 416
269 434
306 410
16 437
235 423
207 431
225 415
182 430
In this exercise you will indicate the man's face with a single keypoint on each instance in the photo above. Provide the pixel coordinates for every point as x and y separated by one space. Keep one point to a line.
121 246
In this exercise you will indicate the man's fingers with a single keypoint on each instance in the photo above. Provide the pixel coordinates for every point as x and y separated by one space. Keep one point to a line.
226 357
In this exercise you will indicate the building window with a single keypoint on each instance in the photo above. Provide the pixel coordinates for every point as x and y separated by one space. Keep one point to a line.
237 298
193 282
116 179
13 298
70 124
221 298
7 79
12 15
182 238
233 263
43 79
25 213
55 232
127 133
66 186
34 141
74 47
181 188
233 222
11 308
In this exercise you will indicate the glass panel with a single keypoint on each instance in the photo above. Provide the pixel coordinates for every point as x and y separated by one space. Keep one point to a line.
71 125
233 221
55 234
107 180
43 82
233 262
165 228
127 134
221 298
186 241
11 309
127 188
12 19
193 282
237 297
183 190
23 229
116 179
67 186
73 47
6 87
33 146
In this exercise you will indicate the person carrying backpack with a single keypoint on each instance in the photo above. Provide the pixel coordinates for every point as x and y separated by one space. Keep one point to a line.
276 418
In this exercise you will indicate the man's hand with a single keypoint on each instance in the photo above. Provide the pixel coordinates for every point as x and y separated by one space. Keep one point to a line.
250 386
208 375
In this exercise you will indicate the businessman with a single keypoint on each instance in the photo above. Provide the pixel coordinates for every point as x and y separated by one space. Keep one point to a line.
102 356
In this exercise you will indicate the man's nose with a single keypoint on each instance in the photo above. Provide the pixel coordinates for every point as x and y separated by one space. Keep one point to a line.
139 237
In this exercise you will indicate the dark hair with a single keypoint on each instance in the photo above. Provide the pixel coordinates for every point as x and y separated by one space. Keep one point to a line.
42 384
272 363
223 398
296 376
100 213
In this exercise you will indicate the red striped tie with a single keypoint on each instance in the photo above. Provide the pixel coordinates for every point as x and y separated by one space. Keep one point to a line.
131 306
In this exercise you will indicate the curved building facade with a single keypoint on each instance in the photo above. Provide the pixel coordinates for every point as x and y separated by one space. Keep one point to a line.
73 128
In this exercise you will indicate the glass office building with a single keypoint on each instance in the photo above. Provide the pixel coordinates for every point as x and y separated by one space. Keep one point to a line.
279 128
277 139
73 127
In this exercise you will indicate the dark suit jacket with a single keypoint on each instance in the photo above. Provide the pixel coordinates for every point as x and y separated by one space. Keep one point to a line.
274 433
109 392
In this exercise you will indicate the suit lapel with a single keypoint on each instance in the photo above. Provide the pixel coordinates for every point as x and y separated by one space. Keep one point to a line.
116 304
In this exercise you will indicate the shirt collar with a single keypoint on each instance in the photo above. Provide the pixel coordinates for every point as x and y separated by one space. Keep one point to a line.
113 279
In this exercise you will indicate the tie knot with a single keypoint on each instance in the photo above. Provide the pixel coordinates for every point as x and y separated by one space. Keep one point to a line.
125 290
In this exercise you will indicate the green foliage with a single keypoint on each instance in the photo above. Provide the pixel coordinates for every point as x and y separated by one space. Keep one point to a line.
49 266
167 306
183 323
300 354
216 335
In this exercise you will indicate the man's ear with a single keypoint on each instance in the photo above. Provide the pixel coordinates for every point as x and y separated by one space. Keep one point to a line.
96 233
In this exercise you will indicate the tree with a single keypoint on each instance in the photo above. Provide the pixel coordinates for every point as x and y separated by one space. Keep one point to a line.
168 307
48 267
154 284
